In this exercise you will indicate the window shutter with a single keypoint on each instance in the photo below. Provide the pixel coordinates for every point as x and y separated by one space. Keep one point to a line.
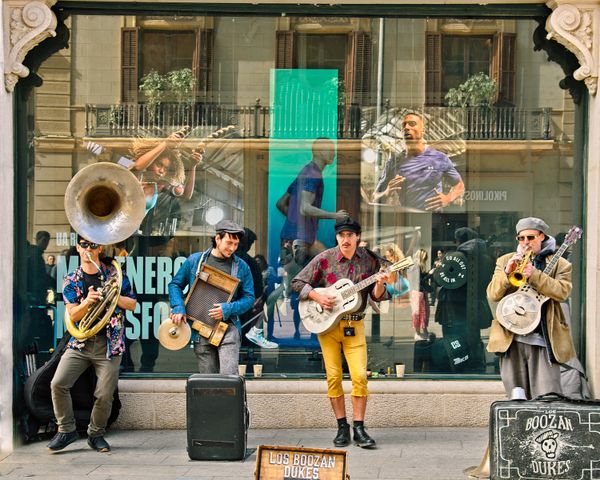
202 62
358 68
433 69
503 66
129 64
285 49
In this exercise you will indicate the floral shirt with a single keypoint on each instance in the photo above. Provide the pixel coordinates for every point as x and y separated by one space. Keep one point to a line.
73 292
331 265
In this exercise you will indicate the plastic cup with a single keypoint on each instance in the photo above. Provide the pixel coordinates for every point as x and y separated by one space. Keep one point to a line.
257 370
242 370
400 370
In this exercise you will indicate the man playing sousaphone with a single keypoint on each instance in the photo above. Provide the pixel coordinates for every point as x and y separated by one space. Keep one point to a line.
223 358
531 361
82 290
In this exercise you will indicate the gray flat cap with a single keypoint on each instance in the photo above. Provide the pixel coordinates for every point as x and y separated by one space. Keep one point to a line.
227 226
532 223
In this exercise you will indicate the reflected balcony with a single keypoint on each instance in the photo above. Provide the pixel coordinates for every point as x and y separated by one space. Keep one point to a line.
353 121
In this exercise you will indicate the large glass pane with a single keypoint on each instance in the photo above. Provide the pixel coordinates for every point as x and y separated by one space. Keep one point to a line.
220 118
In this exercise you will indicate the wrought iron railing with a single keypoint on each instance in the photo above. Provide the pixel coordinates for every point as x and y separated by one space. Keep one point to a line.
353 122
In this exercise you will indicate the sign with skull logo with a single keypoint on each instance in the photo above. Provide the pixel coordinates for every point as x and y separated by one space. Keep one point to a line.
547 438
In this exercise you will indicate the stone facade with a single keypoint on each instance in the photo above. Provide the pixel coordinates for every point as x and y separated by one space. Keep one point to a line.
25 24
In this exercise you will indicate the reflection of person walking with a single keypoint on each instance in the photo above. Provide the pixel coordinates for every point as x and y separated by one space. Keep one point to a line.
301 203
419 302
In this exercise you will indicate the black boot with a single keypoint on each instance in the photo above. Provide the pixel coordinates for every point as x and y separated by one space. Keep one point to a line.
362 438
343 436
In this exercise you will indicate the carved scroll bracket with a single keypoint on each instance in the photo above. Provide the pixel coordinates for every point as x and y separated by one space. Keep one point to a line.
26 25
575 25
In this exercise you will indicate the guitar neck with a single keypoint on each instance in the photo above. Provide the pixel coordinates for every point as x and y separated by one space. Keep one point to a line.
556 258
359 286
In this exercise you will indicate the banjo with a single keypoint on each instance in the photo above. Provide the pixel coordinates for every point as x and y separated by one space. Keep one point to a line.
316 319
521 311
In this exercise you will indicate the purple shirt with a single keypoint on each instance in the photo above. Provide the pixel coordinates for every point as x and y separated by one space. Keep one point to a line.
423 174
298 226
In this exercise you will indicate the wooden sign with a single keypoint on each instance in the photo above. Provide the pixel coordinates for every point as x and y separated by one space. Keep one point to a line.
297 463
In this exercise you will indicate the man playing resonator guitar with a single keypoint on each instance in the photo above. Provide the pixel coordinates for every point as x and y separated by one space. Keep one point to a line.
82 291
348 336
531 360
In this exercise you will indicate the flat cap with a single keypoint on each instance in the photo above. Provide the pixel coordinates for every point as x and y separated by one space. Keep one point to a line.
532 223
347 224
227 226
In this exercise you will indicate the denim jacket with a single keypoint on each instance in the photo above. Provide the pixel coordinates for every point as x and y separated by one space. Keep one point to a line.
243 298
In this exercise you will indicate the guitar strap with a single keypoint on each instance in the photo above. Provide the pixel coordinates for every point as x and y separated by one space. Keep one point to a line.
380 259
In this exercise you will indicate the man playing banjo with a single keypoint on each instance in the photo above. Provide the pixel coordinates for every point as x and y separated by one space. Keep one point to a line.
346 260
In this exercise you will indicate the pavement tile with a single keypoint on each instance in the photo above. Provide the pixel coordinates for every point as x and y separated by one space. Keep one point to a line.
402 454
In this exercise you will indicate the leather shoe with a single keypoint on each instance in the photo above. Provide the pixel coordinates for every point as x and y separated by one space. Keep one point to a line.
61 440
343 436
98 444
362 438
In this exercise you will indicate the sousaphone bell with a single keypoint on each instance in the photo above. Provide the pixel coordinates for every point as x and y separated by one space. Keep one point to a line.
105 204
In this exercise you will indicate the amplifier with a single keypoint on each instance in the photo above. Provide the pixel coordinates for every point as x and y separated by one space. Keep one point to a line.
217 417
550 437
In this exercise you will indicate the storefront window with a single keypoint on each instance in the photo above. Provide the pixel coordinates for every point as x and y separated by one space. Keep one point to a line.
218 117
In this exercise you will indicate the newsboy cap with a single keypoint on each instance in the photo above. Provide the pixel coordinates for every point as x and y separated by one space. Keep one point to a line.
227 226
347 224
532 223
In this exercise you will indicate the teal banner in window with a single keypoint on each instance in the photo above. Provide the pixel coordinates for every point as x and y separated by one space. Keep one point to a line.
304 110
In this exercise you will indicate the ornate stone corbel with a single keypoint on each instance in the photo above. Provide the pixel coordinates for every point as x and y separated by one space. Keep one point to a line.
572 25
29 23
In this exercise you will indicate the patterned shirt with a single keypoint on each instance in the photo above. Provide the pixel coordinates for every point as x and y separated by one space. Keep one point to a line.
73 292
331 265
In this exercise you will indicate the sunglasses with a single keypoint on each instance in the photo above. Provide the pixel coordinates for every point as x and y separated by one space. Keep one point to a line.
521 238
84 244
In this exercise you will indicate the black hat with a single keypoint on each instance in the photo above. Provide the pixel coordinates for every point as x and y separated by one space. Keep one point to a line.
227 226
348 224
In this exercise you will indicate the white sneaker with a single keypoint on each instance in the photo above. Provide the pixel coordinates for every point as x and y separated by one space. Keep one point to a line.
255 335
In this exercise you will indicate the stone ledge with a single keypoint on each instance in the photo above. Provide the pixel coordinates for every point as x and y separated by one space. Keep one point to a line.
161 403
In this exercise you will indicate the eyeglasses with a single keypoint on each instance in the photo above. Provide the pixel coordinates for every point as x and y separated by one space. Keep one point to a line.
85 244
521 238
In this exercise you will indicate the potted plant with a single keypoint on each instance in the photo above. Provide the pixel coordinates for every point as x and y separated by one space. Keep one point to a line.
180 84
153 87
474 98
478 90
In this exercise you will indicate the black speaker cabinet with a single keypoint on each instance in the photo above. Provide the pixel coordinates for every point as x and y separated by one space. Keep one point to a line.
217 417
548 438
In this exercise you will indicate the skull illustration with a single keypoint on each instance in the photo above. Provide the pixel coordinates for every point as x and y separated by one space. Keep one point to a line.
548 443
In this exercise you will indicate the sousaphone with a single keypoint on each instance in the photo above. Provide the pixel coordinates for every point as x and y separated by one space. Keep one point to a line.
104 203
